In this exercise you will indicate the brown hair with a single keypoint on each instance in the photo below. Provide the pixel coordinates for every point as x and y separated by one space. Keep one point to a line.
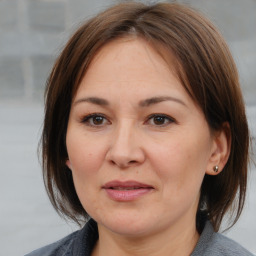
204 66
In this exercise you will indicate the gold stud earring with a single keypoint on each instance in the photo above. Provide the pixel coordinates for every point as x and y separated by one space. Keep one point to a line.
216 168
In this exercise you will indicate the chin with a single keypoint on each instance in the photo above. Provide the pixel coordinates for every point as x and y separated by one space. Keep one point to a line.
127 225
130 230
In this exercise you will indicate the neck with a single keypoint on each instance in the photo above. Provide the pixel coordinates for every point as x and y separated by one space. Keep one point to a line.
177 242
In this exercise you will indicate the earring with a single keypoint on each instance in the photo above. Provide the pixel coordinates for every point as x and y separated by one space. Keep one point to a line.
216 168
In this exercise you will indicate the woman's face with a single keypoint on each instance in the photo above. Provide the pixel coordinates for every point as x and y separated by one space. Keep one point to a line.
138 145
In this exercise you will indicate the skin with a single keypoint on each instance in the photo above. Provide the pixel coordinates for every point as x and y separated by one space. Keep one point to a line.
122 141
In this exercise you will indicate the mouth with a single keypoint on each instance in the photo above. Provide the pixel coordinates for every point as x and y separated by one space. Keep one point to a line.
126 191
125 188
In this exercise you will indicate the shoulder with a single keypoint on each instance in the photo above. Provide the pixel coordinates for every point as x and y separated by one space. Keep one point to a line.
215 244
59 248
222 245
80 242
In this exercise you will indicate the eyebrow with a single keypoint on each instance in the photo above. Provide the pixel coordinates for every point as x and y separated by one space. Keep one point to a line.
94 100
155 100
142 103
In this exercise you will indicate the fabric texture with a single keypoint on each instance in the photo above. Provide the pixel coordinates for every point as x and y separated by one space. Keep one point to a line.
81 243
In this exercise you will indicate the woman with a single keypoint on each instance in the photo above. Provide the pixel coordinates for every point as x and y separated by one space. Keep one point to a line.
145 135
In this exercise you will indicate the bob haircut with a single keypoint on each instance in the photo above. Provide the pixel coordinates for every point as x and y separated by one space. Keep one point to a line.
204 66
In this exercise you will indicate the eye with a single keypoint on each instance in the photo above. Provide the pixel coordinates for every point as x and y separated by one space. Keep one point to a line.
160 120
95 120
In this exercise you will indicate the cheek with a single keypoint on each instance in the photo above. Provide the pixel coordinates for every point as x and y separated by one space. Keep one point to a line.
179 164
85 158
83 153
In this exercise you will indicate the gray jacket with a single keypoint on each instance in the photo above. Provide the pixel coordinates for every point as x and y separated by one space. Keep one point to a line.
81 243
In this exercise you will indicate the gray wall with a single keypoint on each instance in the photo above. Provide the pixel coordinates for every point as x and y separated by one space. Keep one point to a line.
32 32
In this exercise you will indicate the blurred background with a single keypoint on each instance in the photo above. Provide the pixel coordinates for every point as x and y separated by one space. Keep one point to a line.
32 33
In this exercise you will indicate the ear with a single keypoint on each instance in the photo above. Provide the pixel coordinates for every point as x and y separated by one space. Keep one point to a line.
220 150
68 163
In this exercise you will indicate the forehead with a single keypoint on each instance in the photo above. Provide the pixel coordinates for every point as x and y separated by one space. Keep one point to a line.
130 60
124 51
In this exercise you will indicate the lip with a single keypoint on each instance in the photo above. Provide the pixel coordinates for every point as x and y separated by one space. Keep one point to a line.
126 190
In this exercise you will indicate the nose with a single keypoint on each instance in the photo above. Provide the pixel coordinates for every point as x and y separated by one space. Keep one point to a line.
125 148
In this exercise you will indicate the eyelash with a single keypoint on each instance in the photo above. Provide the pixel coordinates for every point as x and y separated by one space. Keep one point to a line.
166 117
86 120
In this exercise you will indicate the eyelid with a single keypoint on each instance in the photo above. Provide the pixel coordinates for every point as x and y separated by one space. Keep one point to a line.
169 118
85 119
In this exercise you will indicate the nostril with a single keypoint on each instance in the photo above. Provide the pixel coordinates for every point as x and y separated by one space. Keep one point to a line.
123 164
112 162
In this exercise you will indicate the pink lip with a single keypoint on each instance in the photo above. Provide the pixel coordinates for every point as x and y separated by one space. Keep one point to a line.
126 190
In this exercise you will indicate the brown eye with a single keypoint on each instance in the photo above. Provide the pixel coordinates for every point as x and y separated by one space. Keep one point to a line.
159 120
95 120
98 120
